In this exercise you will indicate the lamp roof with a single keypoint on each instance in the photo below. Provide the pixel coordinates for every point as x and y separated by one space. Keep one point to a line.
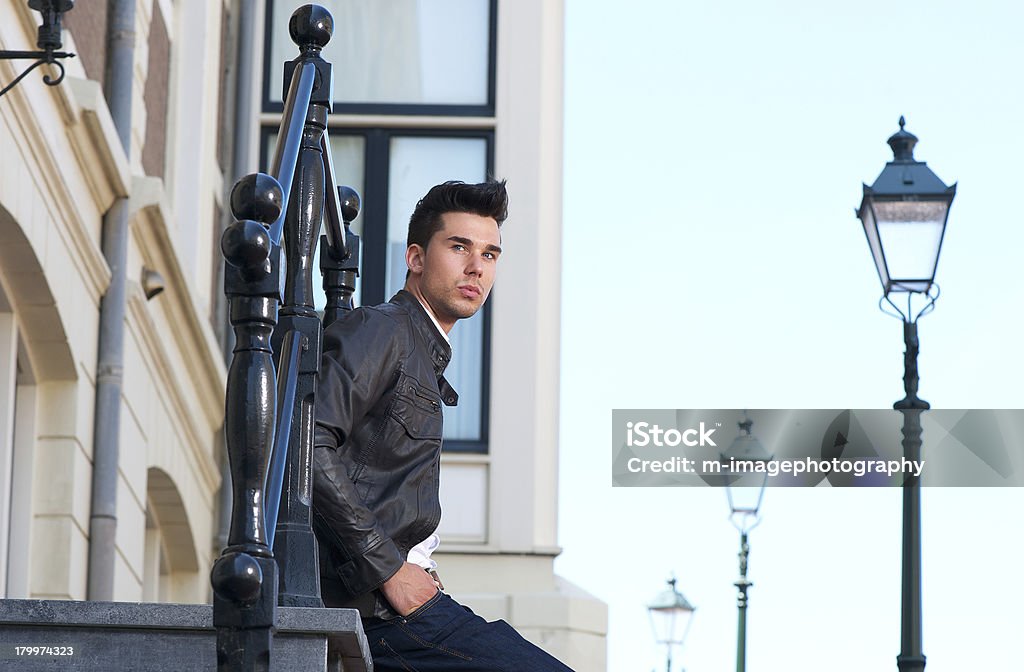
904 175
670 599
746 447
903 142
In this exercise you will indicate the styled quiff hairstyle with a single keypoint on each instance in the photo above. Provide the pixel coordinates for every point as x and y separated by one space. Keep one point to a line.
487 199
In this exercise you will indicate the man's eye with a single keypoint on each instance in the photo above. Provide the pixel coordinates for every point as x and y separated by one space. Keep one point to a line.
458 247
490 255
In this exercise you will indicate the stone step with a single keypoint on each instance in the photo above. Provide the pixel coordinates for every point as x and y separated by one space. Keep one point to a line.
108 636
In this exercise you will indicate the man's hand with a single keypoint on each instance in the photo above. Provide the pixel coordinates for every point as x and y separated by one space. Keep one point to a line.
409 589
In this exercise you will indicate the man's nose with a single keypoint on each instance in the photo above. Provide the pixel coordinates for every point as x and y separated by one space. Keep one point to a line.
475 266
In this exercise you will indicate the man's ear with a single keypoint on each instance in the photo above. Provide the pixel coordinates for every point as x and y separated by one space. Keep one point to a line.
414 257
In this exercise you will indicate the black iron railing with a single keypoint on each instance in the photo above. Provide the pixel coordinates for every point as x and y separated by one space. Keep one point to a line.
271 556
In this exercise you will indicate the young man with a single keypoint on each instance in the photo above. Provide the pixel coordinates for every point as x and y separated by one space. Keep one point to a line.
378 445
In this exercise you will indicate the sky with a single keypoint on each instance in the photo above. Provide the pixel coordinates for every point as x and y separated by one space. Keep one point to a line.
714 155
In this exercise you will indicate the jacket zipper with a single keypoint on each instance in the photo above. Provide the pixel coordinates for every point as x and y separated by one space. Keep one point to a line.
434 405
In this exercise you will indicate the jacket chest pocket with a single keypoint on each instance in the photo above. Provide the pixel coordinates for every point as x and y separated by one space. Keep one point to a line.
418 410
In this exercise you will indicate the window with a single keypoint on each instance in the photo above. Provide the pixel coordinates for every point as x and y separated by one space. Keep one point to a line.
154 149
397 57
392 170
402 61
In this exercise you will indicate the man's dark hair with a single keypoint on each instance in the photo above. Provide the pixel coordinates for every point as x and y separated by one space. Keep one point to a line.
487 199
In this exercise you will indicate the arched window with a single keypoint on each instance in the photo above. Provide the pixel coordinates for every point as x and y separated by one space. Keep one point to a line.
170 564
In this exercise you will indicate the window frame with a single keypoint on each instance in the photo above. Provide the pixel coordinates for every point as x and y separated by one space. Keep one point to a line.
405 109
374 239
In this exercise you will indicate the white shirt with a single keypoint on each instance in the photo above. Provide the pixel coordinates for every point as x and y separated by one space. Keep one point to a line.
420 553
436 323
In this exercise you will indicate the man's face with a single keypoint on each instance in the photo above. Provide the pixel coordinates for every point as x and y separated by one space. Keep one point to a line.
454 274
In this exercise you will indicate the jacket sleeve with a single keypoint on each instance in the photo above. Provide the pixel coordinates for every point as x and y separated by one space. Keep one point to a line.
361 357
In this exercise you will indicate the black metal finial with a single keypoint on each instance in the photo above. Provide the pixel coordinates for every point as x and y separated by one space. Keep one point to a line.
349 200
257 197
311 27
246 245
238 578
255 203
49 31
902 143
746 424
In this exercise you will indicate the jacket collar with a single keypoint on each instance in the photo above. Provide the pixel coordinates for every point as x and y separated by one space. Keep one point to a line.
440 350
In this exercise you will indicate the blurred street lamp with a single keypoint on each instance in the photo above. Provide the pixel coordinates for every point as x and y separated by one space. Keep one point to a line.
744 455
904 215
745 493
671 616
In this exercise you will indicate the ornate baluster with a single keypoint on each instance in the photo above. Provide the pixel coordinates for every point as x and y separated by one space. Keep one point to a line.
294 545
340 274
245 577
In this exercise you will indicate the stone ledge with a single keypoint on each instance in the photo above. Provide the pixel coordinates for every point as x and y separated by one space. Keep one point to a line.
162 637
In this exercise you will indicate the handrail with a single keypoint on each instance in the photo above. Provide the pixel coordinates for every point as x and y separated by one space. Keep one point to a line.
286 155
336 243
287 376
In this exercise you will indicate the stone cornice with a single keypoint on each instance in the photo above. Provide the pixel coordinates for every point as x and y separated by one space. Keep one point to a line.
50 175
94 140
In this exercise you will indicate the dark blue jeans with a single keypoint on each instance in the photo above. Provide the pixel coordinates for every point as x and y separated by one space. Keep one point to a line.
444 636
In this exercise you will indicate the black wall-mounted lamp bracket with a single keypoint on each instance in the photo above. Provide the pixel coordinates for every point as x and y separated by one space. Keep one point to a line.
49 43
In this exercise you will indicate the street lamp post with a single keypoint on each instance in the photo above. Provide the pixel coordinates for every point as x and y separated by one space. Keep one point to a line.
904 215
671 616
744 512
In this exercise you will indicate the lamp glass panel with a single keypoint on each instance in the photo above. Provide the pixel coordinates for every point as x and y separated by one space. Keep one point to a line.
910 233
745 494
746 463
680 625
669 624
871 231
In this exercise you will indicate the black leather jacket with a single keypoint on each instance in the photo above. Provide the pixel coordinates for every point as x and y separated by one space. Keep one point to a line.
377 447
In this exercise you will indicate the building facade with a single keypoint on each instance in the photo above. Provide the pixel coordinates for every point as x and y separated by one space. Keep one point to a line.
425 90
